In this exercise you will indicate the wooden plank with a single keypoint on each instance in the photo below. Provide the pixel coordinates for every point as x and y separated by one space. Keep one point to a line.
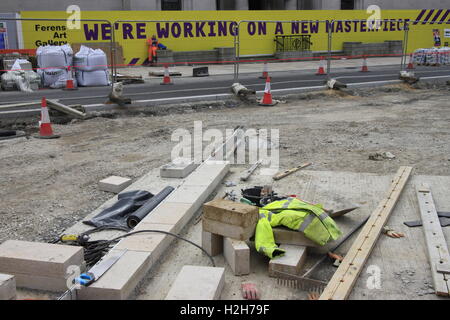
283 174
346 275
438 254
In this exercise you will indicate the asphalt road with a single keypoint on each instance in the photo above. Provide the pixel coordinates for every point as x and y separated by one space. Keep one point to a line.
213 85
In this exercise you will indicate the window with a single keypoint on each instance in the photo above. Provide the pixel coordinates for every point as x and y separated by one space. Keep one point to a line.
170 4
347 4
305 4
256 5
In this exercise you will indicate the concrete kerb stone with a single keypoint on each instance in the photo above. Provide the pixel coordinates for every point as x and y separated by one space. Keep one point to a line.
230 219
51 284
210 168
171 213
114 184
189 194
178 168
38 259
197 283
144 253
292 262
119 282
234 213
152 242
212 243
286 236
237 254
228 230
7 287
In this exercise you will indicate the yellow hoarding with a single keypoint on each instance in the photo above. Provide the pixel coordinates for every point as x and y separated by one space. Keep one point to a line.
181 31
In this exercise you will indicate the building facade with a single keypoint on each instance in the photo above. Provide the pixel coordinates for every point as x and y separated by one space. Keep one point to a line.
89 5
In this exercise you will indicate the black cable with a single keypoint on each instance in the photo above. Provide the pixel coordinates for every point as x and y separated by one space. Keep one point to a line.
95 250
170 234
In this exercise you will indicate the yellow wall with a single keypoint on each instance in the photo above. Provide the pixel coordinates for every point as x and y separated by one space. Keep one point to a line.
37 33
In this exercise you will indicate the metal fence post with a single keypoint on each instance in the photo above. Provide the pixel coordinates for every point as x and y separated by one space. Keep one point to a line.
236 53
112 54
404 46
330 38
238 49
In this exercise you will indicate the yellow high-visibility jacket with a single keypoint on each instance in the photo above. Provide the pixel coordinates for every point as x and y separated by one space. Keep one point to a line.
295 214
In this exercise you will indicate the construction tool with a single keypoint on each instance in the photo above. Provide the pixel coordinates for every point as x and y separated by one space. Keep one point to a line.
305 283
247 173
444 219
74 239
87 278
340 213
283 174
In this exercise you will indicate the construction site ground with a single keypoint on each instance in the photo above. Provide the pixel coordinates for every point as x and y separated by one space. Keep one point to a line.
48 186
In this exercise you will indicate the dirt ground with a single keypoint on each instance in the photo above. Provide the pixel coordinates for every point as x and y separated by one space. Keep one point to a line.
48 185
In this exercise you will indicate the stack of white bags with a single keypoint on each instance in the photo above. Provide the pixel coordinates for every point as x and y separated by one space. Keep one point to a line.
91 67
53 62
432 56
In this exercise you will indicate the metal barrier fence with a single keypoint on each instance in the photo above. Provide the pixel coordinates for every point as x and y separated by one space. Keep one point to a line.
103 21
231 29
283 43
436 54
292 22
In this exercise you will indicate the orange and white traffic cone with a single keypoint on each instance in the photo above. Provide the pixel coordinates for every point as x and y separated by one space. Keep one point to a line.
45 127
69 81
364 67
166 79
265 73
321 70
410 64
267 99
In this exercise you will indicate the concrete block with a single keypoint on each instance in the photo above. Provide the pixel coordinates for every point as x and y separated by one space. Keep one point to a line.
212 243
179 168
202 175
151 242
228 230
189 194
292 262
145 249
237 254
230 219
7 287
114 184
52 284
119 282
287 236
38 259
234 213
197 283
172 213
